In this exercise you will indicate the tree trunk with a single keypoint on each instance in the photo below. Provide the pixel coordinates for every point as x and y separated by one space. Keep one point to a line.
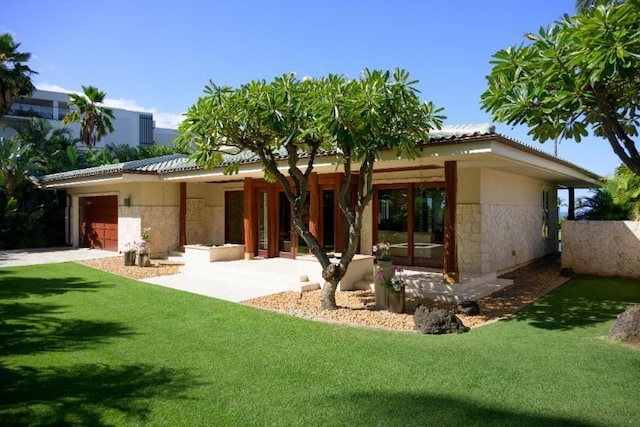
332 274
329 296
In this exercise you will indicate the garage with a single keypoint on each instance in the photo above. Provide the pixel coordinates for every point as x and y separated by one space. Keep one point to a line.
99 224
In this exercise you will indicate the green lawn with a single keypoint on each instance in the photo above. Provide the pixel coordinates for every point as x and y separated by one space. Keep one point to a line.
83 347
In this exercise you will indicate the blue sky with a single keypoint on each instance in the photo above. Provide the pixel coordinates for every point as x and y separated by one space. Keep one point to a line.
158 56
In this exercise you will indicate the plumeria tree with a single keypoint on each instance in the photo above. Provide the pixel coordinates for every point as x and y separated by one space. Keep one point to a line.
94 120
580 74
295 120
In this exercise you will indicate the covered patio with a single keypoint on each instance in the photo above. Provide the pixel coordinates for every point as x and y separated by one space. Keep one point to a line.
246 279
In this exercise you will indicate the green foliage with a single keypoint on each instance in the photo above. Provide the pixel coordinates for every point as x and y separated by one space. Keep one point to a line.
30 217
83 347
618 200
54 147
297 119
18 165
94 120
118 153
15 76
580 73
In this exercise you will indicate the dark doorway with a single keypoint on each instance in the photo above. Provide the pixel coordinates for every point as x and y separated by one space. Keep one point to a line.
234 217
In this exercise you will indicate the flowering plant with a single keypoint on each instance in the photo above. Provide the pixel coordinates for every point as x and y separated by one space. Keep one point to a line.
143 246
397 281
145 234
382 251
130 247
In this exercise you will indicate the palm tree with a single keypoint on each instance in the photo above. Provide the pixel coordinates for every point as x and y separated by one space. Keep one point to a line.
15 77
95 121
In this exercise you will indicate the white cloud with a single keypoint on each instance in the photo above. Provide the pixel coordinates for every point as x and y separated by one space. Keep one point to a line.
53 88
163 120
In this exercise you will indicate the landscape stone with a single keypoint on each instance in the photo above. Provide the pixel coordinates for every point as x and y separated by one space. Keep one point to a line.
437 321
627 327
470 308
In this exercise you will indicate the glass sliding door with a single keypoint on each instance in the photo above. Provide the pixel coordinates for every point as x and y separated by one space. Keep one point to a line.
263 224
285 235
410 217
393 209
328 220
428 226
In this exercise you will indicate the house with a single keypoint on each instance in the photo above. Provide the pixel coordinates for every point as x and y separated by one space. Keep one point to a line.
129 127
505 203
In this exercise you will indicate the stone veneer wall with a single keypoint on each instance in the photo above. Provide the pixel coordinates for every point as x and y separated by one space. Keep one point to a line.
469 237
603 248
494 238
165 228
514 236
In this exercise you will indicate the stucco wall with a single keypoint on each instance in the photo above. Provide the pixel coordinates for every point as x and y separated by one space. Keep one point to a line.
604 248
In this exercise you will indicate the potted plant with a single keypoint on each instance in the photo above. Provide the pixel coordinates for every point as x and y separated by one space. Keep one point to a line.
382 273
382 252
143 247
129 254
396 291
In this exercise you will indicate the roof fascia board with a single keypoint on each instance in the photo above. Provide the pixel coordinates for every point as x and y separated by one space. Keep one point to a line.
80 181
543 163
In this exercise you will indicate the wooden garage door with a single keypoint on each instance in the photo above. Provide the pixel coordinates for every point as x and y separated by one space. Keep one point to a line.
99 226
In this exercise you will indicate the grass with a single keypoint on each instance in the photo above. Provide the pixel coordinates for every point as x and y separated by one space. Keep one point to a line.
84 347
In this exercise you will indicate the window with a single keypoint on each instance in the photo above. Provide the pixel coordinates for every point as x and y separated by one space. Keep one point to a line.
546 208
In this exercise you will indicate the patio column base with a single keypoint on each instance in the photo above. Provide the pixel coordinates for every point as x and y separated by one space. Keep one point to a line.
451 278
248 256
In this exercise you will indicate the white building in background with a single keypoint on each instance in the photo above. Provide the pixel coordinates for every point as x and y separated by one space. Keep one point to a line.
129 127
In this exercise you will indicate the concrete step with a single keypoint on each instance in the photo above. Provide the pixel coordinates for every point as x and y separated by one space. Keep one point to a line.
364 285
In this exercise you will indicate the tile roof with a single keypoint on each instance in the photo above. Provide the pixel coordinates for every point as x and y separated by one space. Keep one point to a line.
461 131
182 163
155 164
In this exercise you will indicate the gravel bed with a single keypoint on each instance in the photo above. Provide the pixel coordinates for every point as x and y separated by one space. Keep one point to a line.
116 265
358 307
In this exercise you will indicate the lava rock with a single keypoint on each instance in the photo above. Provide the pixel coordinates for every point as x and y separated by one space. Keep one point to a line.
627 327
469 308
568 272
437 321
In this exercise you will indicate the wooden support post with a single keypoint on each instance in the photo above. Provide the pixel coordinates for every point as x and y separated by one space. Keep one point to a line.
249 219
451 274
571 215
314 205
340 241
182 217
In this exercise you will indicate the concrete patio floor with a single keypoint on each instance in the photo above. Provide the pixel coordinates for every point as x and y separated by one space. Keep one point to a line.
246 279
